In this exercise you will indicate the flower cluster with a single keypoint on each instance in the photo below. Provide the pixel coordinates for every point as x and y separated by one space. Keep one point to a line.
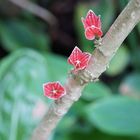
79 59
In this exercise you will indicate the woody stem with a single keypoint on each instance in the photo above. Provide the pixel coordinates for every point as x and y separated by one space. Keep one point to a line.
101 57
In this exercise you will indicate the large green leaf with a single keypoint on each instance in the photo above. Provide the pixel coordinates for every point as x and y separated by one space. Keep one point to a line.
15 34
26 66
21 98
135 59
96 135
21 77
95 90
118 62
139 27
122 4
116 115
131 85
75 134
57 67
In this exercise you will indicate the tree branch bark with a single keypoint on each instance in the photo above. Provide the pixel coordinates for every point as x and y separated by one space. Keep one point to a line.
101 57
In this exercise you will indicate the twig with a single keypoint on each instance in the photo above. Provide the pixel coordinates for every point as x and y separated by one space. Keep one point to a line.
37 10
123 25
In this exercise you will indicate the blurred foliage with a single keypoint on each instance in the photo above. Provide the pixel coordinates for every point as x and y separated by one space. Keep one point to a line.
20 84
15 34
109 115
95 90
103 112
57 67
131 85
121 58
21 77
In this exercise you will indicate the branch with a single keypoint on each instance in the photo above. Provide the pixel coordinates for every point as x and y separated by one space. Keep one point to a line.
36 10
123 25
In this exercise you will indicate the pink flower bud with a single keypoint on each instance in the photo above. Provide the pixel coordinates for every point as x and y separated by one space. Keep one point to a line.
92 25
79 59
53 90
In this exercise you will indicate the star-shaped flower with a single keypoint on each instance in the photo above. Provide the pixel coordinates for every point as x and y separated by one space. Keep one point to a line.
54 90
79 59
92 25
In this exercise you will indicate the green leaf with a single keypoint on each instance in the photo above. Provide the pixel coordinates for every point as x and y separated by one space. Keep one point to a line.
65 125
118 62
98 135
21 77
15 34
122 4
135 57
25 66
57 67
116 115
95 90
138 27
131 85
93 134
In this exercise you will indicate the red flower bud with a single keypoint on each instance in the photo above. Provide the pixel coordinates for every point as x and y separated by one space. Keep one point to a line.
79 59
53 90
92 25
